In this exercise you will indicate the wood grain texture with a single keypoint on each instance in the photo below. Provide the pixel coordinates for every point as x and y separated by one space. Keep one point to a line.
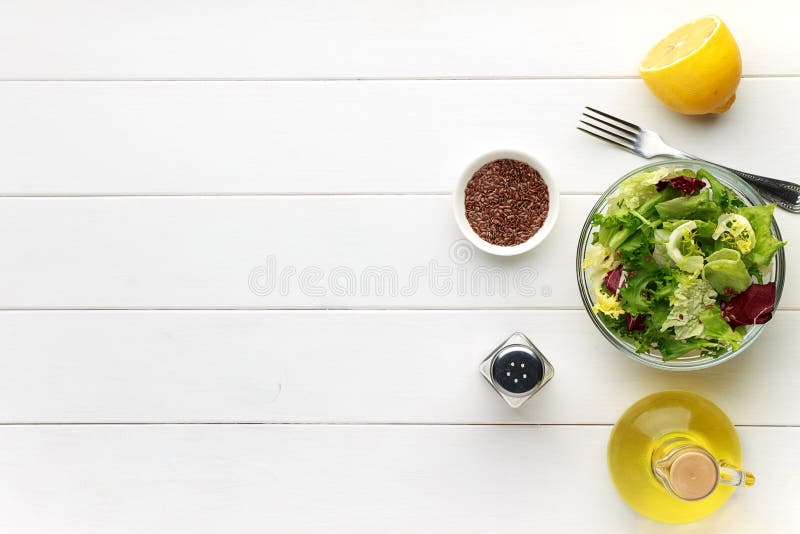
281 252
340 137
363 39
350 367
298 478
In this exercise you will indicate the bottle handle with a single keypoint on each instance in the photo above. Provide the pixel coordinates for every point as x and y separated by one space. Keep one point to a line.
733 476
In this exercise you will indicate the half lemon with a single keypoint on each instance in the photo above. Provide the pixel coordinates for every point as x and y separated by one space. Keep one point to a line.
696 68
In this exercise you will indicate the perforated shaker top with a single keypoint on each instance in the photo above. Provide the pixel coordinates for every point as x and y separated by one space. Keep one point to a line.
517 369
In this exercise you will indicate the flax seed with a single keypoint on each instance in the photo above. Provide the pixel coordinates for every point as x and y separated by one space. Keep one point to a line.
506 202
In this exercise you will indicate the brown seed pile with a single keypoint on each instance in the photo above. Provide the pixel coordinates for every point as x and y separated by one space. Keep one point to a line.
506 202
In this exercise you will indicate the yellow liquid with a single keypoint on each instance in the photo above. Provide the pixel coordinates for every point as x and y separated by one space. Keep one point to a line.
644 427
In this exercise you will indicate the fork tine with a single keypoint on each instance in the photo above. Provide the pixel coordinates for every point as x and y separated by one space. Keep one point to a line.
625 140
613 118
629 135
607 140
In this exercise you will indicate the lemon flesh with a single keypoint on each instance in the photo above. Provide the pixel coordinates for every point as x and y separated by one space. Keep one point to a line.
696 68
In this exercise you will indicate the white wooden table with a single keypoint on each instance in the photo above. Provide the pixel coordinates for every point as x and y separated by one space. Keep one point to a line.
163 162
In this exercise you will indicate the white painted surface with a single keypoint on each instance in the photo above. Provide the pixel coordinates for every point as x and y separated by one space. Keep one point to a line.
252 479
371 366
377 136
233 252
363 38
134 212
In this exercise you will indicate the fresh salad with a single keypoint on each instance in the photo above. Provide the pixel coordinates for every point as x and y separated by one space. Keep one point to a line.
677 263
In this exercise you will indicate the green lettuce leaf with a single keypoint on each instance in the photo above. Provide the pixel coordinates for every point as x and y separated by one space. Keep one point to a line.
646 285
720 195
726 272
611 227
760 218
675 348
699 206
717 329
636 190
692 296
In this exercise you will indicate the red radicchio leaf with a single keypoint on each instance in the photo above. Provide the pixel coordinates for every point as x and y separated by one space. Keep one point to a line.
753 306
613 280
635 322
688 185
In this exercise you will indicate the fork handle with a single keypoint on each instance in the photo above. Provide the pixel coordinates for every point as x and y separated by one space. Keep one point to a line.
784 194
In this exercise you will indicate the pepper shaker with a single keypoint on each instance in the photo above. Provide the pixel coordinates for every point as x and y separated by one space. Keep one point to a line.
516 369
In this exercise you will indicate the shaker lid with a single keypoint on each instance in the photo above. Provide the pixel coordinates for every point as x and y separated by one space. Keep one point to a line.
517 369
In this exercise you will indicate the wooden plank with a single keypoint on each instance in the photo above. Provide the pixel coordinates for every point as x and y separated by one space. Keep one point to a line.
248 479
277 252
322 137
346 367
359 38
237 252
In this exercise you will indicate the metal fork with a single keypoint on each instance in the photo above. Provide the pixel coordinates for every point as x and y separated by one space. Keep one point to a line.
648 144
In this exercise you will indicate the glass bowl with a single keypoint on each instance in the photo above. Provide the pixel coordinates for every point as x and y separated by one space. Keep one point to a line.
692 360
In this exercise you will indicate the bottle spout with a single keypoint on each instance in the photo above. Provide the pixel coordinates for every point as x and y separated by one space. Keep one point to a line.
732 476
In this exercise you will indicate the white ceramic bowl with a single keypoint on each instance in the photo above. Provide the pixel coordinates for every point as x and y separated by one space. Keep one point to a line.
461 216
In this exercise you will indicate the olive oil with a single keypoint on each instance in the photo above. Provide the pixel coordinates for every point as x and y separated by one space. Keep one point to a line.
672 457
